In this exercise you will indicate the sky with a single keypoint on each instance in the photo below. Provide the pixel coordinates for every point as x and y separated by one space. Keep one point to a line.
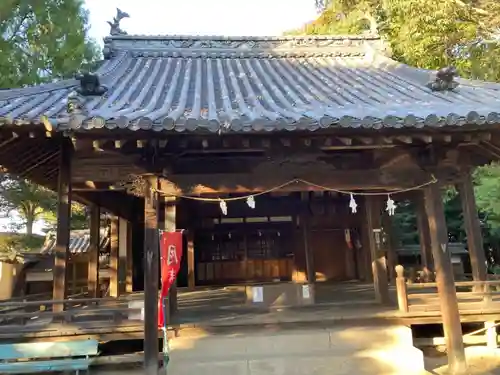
201 17
197 17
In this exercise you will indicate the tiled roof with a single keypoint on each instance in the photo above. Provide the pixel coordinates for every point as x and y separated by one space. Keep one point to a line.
455 248
79 241
242 84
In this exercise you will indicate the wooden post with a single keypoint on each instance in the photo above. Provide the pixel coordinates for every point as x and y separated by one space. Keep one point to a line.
423 235
122 255
371 209
171 226
61 251
491 335
445 281
190 261
310 271
151 280
93 271
130 264
113 258
472 228
390 246
365 258
401 289
308 253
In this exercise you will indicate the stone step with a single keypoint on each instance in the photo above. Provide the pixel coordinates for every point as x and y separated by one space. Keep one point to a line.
343 350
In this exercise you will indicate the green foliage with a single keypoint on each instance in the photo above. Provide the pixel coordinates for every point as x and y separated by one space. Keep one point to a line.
43 40
34 202
423 33
18 242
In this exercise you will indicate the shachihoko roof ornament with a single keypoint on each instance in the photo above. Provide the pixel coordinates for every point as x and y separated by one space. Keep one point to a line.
444 80
115 25
90 85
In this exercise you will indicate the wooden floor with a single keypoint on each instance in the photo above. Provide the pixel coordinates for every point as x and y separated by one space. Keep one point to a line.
221 309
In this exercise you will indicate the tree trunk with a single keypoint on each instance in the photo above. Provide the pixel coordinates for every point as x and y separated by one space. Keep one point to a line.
29 225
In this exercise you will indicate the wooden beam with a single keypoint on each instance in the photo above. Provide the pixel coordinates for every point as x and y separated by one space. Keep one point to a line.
151 280
113 258
404 139
445 282
472 227
178 184
61 251
93 270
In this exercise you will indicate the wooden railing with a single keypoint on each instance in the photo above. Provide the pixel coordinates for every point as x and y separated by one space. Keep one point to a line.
77 308
423 297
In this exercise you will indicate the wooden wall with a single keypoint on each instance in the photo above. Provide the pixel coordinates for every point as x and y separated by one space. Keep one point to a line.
325 217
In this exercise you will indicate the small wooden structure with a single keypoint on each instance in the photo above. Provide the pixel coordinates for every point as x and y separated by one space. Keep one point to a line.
254 145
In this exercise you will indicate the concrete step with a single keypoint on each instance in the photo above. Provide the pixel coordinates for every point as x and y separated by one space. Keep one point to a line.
377 350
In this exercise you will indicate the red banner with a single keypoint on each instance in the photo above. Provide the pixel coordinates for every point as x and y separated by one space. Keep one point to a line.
170 257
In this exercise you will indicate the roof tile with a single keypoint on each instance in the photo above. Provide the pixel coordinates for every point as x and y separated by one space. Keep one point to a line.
254 84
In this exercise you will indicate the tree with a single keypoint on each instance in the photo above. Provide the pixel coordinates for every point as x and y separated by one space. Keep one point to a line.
32 202
423 33
43 40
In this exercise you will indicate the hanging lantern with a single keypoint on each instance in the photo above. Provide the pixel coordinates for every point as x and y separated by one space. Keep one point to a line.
391 206
223 206
353 205
251 201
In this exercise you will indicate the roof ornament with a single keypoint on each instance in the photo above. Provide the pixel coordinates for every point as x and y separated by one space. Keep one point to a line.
115 25
90 85
76 104
444 80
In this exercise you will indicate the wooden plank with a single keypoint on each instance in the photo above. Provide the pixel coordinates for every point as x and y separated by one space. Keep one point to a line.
45 350
45 366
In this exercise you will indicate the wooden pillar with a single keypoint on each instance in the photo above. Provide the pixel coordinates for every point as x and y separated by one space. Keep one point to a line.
72 290
129 288
390 246
423 233
113 258
308 253
373 235
61 251
472 228
93 271
170 225
444 278
190 261
122 255
151 279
